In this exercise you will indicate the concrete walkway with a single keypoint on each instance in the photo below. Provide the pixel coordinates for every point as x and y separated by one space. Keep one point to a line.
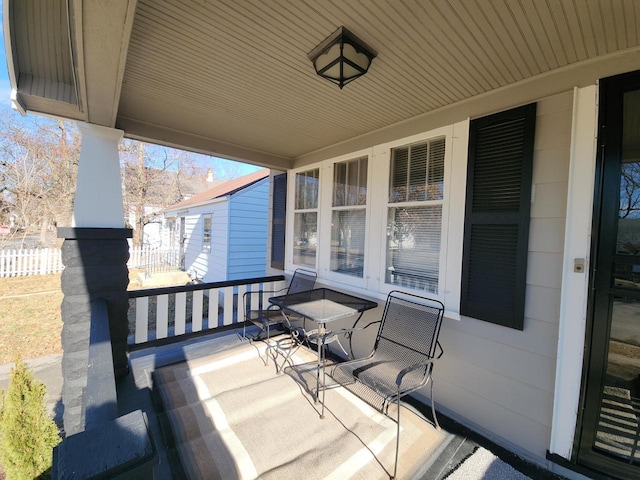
48 370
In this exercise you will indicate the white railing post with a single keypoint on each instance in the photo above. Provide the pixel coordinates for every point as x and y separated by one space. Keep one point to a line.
142 319
196 316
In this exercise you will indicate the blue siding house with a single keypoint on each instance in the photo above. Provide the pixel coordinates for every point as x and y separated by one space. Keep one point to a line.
223 231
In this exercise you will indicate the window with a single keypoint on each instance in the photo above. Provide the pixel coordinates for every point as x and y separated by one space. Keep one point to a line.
206 234
496 230
414 215
305 218
396 238
348 217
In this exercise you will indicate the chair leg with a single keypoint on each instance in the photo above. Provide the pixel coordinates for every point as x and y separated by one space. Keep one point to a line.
291 349
433 407
395 463
267 350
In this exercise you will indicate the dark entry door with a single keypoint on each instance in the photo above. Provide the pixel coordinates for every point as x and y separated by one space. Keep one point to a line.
609 440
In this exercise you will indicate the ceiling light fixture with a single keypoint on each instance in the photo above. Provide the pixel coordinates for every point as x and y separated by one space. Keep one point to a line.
342 57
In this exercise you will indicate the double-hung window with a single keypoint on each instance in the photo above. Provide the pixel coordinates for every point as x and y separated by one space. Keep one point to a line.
394 239
305 217
348 217
414 215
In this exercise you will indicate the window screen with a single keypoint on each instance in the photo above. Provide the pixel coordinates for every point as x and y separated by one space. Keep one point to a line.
348 219
305 220
414 217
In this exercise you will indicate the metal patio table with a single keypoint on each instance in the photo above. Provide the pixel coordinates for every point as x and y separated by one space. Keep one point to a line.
323 306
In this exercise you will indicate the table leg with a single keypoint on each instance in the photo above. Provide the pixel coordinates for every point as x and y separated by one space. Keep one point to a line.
321 333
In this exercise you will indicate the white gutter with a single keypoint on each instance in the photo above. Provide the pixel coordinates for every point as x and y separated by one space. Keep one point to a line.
16 101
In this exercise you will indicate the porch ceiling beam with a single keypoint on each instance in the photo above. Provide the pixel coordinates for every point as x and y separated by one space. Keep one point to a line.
145 132
100 33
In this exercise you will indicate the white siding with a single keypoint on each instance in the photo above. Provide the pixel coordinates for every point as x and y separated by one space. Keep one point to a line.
193 244
238 236
217 261
495 379
208 266
499 380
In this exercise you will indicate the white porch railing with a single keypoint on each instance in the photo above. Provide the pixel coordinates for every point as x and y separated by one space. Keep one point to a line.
161 313
42 261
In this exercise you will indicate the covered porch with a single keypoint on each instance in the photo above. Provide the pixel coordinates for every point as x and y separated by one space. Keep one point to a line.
273 412
249 422
468 164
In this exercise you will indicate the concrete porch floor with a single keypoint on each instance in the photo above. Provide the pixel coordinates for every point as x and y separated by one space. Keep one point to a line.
135 392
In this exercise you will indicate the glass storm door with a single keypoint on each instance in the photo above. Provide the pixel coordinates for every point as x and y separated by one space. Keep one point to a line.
609 439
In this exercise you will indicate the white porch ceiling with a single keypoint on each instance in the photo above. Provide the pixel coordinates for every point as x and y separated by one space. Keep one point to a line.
232 77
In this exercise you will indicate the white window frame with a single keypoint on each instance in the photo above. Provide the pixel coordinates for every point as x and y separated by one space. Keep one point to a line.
325 218
378 172
291 207
333 208
207 216
383 204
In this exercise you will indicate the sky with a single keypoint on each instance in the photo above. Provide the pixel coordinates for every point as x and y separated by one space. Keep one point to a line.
205 160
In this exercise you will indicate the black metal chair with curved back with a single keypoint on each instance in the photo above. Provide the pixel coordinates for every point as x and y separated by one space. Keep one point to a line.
266 317
403 356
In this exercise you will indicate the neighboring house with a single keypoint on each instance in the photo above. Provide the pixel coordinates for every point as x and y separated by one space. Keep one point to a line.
488 158
150 194
224 229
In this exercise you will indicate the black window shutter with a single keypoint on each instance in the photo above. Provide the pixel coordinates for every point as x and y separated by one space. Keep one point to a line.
496 231
278 220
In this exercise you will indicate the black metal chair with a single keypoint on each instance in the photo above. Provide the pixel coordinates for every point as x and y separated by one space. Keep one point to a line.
265 316
403 356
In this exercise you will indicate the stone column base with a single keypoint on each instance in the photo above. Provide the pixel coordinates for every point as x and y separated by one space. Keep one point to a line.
95 261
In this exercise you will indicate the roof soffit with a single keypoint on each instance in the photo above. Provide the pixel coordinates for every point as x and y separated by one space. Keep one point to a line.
232 78
39 56
237 73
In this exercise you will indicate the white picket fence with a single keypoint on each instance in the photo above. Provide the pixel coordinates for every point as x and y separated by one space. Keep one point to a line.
31 261
42 261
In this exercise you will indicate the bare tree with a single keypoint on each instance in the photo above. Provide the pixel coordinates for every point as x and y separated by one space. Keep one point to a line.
38 170
155 177
630 190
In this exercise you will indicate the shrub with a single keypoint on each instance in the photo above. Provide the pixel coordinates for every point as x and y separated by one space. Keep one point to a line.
27 433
